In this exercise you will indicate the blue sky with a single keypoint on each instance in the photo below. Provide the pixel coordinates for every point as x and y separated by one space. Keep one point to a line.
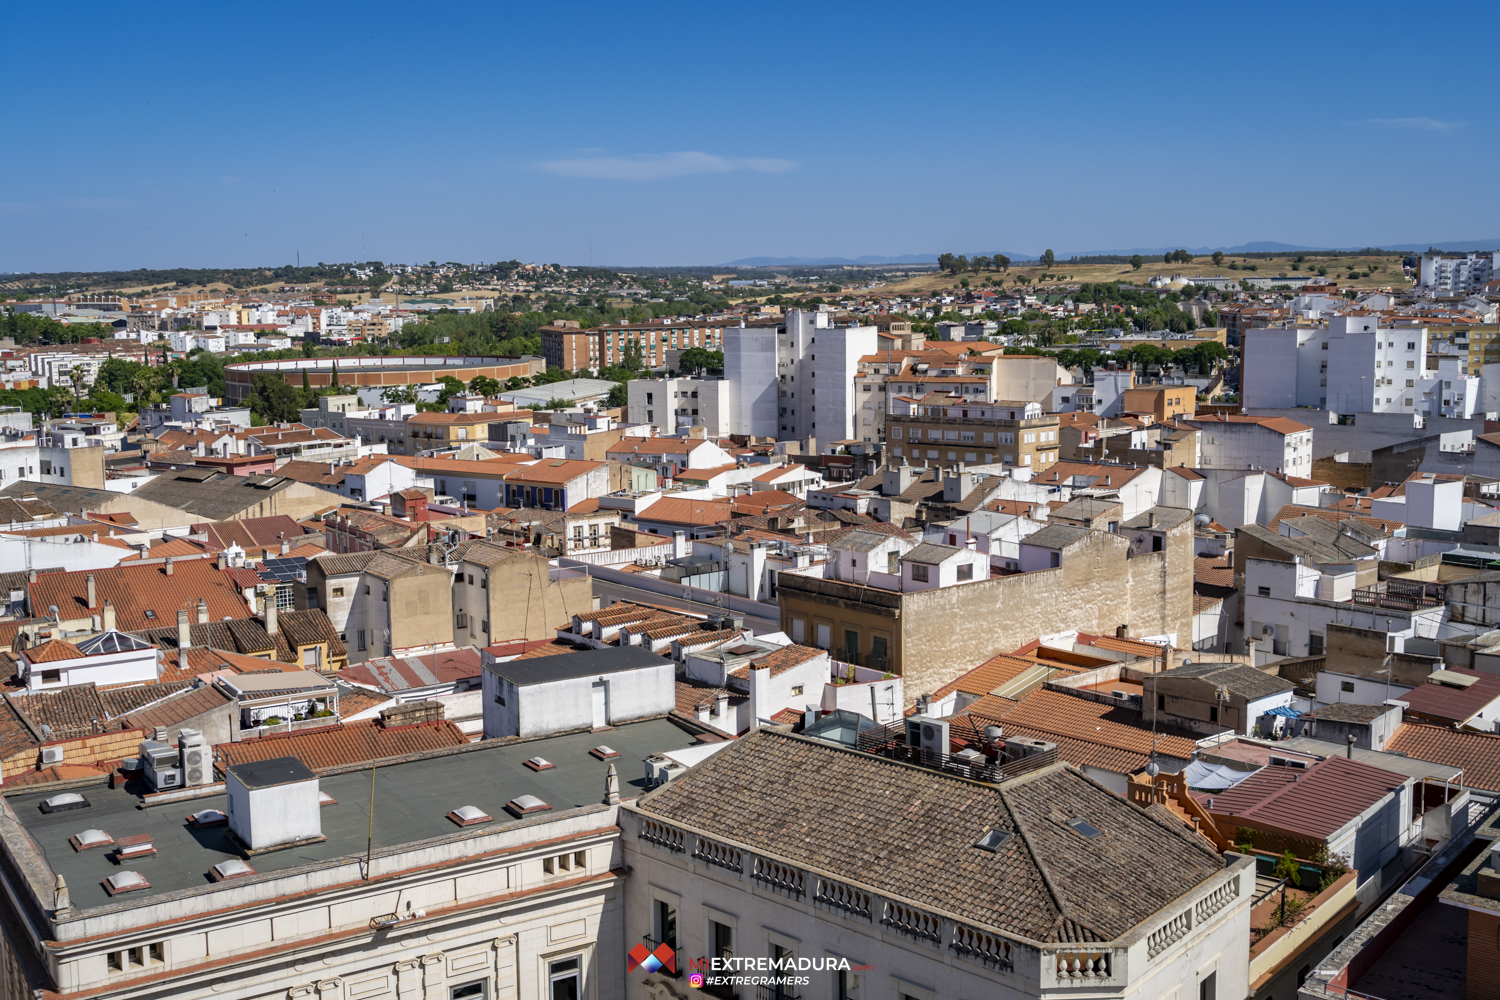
196 135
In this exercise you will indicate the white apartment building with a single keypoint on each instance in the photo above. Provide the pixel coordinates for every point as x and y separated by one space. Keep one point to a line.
1272 444
1104 396
862 877
1459 275
780 374
675 405
471 887
1351 365
56 368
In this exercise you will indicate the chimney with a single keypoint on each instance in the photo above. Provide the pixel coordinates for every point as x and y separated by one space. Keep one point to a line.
184 631
223 560
1349 740
202 611
109 616
271 614
31 576
286 546
167 565
679 544
1150 518
721 704
93 598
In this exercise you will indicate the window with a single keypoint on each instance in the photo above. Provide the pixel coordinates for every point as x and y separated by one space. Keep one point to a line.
563 863
1263 591
285 599
51 676
1161 703
721 940
337 592
1213 713
664 923
1315 644
846 985
565 979
781 992
461 621
966 571
919 572
130 959
1347 686
361 637
1208 986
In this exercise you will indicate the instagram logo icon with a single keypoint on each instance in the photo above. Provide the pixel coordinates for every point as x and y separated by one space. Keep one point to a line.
696 980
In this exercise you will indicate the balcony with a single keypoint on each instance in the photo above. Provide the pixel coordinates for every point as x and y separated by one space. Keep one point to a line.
1401 595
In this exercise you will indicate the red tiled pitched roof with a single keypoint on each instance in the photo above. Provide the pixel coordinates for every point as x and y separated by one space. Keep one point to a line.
350 743
133 590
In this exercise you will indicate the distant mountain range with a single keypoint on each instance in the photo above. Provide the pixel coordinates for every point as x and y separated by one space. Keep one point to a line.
1263 246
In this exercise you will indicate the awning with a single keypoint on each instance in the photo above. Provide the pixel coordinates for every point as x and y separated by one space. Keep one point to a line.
1202 776
1283 710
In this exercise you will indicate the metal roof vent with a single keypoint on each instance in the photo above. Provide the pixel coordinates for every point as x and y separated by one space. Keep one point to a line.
1086 828
993 840
64 802
469 816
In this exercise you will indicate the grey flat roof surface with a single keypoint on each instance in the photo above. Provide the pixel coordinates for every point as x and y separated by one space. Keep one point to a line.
411 803
1409 766
564 666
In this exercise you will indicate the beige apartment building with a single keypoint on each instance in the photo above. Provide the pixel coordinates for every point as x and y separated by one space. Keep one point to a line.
944 431
502 593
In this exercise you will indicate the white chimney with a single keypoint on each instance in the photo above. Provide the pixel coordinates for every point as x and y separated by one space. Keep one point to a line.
184 630
273 803
202 611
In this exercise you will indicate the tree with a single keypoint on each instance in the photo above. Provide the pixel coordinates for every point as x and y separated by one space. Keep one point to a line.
450 387
1219 258
1048 258
516 382
1136 262
399 394
634 359
273 400
1002 262
483 385
699 359
980 263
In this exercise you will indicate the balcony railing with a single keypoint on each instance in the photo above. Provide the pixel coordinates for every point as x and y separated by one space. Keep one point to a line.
1398 595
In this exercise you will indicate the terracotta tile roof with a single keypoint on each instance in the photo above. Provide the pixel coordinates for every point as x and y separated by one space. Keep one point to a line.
1020 508
1049 884
401 673
780 661
1202 603
313 472
787 717
1333 514
1281 425
672 510
52 651
1185 472
553 648
353 701
704 475
696 639
632 446
989 675
691 694
1061 472
174 547
762 500
1477 753
341 745
1062 714
1118 645
177 709
133 590
1315 802
555 471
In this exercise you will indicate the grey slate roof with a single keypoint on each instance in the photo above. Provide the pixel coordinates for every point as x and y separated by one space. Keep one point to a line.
351 564
1350 712
1056 536
860 540
1235 677
931 553
214 495
1083 508
797 799
1321 541
1167 518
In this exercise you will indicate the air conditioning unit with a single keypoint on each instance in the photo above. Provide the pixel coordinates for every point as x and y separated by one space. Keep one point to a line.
932 736
1268 630
162 765
194 754
52 755
1019 747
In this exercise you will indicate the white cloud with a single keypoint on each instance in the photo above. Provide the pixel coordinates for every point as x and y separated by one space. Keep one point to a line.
659 166
1424 124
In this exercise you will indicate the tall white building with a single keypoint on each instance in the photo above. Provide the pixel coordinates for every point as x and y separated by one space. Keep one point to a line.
1459 275
802 373
676 405
1351 365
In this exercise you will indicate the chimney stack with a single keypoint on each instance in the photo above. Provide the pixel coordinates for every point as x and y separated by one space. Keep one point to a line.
286 546
611 787
167 565
184 631
109 616
31 576
223 560
271 614
202 611
93 596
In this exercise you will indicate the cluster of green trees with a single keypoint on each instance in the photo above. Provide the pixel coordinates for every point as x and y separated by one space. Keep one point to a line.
30 328
958 264
1206 356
